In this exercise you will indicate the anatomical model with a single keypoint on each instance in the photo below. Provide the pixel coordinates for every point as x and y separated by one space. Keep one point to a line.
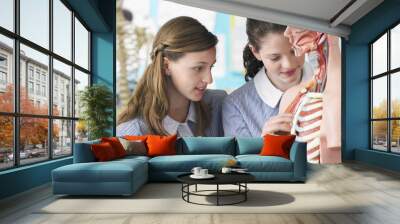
315 104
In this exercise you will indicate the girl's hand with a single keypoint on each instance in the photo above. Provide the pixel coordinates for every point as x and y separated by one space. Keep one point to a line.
281 123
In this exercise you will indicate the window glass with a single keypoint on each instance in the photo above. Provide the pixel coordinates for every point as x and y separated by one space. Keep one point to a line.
379 56
62 29
62 138
395 94
34 21
81 81
395 136
81 45
6 74
379 135
39 62
6 142
62 91
33 140
379 97
7 14
395 47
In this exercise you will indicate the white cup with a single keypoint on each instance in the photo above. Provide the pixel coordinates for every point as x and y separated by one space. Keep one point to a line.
203 172
226 170
196 170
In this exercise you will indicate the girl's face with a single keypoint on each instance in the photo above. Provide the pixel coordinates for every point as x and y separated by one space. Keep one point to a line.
191 73
283 67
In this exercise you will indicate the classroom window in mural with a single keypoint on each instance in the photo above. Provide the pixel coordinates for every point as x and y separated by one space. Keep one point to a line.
385 94
37 86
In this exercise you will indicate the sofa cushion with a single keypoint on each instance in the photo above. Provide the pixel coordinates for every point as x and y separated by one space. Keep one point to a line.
103 152
277 145
111 171
161 145
116 145
257 163
185 163
134 147
206 145
249 145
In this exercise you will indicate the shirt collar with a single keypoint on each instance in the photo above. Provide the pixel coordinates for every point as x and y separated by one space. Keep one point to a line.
182 129
268 92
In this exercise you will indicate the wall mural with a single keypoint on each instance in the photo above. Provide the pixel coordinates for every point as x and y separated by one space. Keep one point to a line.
196 72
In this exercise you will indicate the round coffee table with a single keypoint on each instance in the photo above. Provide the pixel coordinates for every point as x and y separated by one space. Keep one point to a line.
238 179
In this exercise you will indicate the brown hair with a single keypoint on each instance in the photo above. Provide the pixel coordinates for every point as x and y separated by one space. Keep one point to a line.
149 101
256 30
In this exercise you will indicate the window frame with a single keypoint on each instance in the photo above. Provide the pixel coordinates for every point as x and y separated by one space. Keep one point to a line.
16 115
388 74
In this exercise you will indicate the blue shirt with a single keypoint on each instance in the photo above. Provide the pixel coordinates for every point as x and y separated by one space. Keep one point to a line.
245 110
213 98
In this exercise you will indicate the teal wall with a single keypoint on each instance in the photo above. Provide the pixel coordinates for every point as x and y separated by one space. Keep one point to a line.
356 86
24 178
99 16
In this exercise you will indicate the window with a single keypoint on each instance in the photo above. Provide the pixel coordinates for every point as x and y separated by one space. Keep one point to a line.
30 87
62 75
385 94
44 91
30 72
39 80
3 78
3 61
3 72
62 30
38 89
34 25
81 45
7 14
37 74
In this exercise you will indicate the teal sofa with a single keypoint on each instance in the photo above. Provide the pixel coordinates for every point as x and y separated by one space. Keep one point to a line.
125 176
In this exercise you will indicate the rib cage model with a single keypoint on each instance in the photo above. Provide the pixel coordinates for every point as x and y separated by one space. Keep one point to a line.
307 105
307 124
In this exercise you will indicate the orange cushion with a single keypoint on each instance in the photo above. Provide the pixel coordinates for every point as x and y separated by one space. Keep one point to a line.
161 145
116 145
277 145
103 151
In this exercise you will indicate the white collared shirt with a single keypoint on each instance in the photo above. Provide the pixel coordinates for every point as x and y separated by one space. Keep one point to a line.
181 129
268 92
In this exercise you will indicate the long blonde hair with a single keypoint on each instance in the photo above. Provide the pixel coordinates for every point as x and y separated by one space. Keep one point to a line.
149 101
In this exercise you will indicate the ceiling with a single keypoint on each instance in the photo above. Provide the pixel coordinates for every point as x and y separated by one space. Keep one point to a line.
330 16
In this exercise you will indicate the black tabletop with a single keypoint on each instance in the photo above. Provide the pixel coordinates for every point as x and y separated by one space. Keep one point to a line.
220 178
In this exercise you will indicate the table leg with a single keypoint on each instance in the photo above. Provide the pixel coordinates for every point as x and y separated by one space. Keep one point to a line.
196 188
217 194
245 193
